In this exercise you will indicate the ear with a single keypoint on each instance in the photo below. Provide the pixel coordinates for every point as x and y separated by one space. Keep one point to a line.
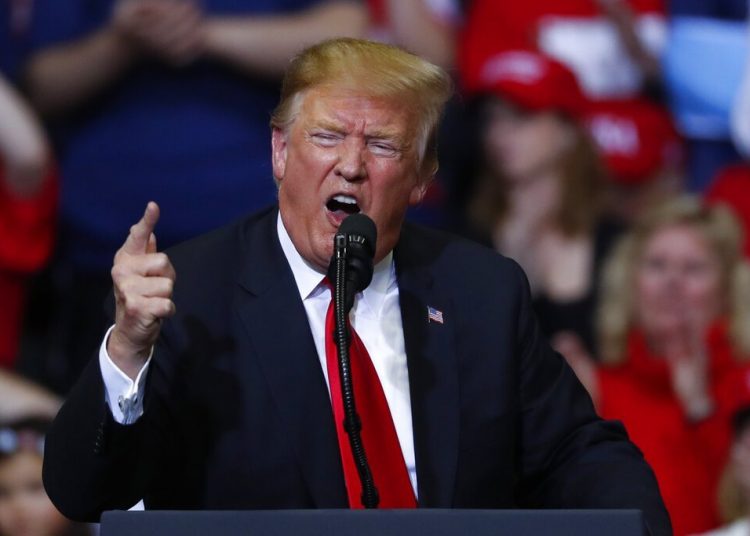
420 189
278 153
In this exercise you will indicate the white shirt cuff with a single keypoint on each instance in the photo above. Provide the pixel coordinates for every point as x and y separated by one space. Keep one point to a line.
123 395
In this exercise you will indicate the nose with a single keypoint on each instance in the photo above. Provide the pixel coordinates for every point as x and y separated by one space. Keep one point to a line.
675 283
351 162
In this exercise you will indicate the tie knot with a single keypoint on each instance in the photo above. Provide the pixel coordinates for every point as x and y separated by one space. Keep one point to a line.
326 282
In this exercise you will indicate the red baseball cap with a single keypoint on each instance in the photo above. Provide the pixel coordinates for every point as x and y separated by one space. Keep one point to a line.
533 81
636 138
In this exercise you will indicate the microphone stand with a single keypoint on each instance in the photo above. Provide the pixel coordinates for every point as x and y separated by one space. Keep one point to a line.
352 422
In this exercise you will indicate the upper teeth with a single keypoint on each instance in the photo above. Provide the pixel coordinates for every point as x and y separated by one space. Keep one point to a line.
345 199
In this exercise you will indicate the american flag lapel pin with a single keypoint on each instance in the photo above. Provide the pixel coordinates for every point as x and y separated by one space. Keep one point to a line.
434 315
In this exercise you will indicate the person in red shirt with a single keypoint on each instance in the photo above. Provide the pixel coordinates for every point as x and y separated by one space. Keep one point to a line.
675 345
28 201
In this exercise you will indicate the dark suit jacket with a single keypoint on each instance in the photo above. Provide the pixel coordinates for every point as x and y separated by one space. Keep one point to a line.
237 414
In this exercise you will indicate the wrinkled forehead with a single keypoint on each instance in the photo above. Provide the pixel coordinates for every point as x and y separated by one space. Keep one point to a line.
358 113
342 101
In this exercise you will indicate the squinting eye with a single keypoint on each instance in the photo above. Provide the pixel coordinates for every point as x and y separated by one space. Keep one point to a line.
325 138
383 149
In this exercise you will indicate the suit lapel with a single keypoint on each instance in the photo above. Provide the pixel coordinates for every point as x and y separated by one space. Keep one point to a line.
275 320
433 375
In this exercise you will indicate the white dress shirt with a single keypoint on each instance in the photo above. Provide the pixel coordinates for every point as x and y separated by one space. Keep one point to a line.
376 316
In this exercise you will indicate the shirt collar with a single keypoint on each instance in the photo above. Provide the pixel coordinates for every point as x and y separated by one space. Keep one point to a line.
309 279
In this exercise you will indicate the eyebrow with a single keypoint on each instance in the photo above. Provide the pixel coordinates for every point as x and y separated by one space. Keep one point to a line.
325 124
386 135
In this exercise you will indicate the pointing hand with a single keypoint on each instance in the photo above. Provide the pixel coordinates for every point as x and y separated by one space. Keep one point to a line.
143 283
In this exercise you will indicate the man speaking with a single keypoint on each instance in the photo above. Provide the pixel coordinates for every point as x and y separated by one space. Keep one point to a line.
218 386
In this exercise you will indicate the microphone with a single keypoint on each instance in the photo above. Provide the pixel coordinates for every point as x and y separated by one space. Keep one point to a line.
350 272
354 241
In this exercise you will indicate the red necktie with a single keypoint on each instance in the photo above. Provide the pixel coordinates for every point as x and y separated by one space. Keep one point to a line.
378 433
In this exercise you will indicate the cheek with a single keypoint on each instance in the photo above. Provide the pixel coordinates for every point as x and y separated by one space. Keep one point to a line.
390 199
524 139
648 286
495 138
552 142
390 206
534 148
309 162
301 183
500 143
652 299
705 292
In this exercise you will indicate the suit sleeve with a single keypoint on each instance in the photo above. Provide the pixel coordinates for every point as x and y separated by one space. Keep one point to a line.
570 458
92 463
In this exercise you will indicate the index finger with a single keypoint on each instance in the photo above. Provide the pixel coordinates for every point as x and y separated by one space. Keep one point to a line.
137 241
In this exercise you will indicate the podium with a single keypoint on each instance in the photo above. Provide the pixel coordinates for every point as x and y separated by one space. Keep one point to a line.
374 523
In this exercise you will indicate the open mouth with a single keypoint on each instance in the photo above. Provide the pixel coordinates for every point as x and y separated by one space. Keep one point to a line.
342 205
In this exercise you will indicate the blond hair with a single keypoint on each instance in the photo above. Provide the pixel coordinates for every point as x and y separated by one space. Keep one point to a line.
724 235
376 70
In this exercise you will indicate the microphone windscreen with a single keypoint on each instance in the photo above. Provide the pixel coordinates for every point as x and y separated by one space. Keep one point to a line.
360 229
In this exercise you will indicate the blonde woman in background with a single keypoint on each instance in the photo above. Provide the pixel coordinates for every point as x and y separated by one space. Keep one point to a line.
674 326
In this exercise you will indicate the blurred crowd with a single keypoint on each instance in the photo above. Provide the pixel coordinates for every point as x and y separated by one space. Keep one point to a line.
602 144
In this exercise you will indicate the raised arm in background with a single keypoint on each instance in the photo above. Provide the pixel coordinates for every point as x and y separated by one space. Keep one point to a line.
264 45
416 28
62 77
24 153
623 18
176 31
